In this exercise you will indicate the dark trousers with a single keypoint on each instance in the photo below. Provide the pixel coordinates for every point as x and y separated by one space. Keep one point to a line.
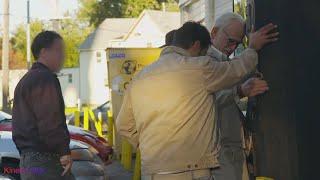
40 166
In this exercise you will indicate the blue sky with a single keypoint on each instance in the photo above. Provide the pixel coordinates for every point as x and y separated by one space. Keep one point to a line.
40 9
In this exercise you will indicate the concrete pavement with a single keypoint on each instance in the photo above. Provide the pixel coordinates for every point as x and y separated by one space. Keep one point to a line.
115 171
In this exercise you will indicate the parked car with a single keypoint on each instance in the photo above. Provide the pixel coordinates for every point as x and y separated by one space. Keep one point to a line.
99 144
6 177
103 109
86 164
104 150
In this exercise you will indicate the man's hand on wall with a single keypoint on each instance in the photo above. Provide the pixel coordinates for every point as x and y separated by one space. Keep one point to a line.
252 87
265 35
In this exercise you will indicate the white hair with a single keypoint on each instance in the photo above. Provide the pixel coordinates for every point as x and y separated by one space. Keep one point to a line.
227 18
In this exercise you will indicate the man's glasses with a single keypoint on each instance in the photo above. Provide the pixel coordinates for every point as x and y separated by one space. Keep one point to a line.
231 41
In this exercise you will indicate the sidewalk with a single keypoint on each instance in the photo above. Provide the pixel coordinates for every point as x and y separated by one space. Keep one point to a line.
115 171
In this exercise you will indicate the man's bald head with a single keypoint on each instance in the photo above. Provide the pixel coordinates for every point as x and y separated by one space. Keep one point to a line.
228 32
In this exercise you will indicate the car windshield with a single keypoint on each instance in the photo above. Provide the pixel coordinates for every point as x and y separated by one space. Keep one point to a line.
4 116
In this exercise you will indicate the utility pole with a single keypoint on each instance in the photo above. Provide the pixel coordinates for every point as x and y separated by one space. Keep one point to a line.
28 35
5 57
163 6
55 20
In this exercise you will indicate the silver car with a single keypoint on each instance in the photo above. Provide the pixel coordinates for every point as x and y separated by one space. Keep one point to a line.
86 164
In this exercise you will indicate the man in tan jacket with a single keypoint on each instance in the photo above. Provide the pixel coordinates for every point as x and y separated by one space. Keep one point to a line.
227 34
168 109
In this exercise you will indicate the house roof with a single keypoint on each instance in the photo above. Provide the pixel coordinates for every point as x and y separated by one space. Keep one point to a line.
165 21
110 28
121 28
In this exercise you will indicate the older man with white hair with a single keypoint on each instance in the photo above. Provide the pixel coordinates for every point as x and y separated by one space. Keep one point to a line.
226 35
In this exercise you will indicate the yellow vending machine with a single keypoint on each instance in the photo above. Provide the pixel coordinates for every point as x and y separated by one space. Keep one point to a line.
123 64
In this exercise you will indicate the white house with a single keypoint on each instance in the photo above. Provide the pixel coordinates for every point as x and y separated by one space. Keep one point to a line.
68 77
148 30
204 11
93 63
70 85
14 78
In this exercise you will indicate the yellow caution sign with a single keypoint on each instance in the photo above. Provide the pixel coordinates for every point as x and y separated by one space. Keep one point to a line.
123 64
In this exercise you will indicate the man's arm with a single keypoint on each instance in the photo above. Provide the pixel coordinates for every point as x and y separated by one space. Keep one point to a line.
225 74
125 123
51 125
227 96
222 75
250 88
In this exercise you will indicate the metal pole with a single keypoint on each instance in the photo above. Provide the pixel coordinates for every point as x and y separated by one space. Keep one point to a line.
5 57
163 7
28 36
55 20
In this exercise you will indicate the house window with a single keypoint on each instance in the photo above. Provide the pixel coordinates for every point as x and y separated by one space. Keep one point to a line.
70 78
98 54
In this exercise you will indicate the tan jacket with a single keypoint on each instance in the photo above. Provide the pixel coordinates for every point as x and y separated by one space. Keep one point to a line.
168 109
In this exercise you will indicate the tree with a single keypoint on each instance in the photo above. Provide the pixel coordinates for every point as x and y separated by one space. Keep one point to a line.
94 11
172 5
74 33
133 8
240 7
72 30
19 39
86 8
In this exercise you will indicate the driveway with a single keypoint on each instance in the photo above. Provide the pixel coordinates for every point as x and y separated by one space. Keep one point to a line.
115 171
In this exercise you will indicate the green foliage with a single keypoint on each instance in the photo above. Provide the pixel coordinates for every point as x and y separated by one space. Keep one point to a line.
94 11
172 6
240 7
133 8
86 7
72 31
19 39
75 30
